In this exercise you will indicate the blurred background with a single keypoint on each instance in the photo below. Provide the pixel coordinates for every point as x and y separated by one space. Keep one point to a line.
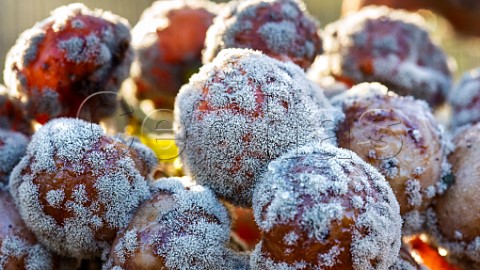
19 15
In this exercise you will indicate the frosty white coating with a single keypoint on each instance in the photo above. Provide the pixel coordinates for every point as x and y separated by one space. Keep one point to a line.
188 196
241 111
13 146
148 157
401 138
378 44
312 190
402 264
465 100
183 226
36 257
454 219
18 247
107 187
101 50
286 31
